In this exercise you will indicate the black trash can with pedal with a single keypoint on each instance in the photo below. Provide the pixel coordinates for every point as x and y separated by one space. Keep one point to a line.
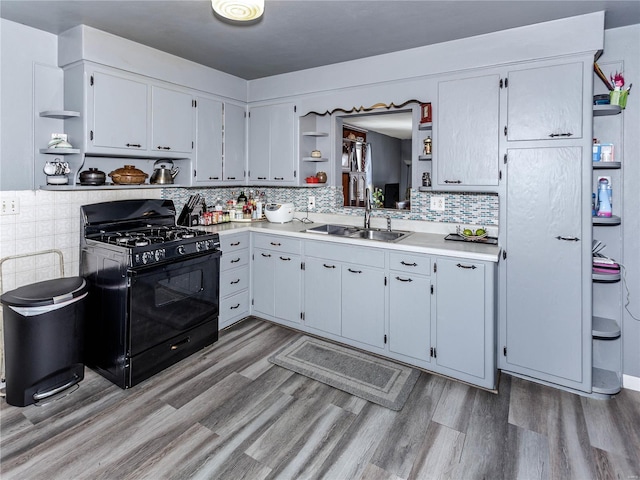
43 339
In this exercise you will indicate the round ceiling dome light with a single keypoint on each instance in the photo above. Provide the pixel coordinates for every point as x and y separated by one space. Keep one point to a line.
239 10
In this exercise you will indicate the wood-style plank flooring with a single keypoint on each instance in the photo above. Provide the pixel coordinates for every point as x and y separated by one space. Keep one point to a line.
227 413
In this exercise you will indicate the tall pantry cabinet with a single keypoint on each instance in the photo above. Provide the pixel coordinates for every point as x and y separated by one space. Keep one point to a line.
545 270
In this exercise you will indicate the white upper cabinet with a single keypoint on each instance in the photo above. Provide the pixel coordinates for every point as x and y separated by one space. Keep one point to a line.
545 102
171 120
271 144
119 116
467 134
234 143
208 164
282 155
259 143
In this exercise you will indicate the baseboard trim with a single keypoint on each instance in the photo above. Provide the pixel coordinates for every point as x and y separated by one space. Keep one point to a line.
632 383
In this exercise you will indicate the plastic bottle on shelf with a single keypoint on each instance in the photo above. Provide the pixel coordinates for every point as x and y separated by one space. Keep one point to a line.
604 198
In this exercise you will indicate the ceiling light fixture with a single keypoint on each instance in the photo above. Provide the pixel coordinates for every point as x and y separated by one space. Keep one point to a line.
239 10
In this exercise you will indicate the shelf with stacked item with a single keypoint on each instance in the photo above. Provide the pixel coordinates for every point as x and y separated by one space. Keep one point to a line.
425 156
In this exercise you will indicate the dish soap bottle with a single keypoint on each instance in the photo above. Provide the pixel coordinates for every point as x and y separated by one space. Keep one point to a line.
604 198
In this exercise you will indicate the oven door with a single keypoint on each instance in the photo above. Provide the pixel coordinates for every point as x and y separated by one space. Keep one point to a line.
168 301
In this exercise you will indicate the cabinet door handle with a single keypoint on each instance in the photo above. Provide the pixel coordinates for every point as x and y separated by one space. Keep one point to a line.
553 135
453 181
568 239
234 244
472 267
231 178
233 282
236 260
136 145
266 255
404 279
276 244
234 307
328 266
163 148
286 259
214 178
354 271
409 264
278 178
262 178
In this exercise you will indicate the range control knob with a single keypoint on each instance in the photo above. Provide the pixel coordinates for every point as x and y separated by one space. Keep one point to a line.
147 257
180 250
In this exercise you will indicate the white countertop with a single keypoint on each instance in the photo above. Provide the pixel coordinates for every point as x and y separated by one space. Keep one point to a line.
417 242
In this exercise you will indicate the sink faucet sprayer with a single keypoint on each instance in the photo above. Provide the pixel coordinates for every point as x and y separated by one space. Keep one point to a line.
367 208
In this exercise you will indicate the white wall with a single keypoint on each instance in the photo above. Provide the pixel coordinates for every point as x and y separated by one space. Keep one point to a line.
21 47
623 44
550 39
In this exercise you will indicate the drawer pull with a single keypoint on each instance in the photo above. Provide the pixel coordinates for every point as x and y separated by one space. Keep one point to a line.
233 282
472 267
328 266
354 271
177 345
276 244
404 279
234 244
267 255
234 307
453 181
286 259
136 145
409 264
235 260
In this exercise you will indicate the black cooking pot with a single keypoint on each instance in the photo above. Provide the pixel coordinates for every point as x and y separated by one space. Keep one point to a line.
93 176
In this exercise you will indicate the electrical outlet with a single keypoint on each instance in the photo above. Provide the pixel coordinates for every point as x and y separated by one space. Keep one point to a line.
10 206
311 203
437 203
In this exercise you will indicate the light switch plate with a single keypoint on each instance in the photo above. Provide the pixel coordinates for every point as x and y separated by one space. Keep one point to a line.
437 203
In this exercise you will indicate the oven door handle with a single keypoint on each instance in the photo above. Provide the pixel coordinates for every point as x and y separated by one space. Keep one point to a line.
179 344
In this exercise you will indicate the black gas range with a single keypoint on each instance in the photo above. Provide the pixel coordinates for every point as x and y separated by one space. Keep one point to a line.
153 288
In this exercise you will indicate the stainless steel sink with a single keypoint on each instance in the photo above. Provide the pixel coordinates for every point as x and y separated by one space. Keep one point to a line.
339 230
356 232
381 235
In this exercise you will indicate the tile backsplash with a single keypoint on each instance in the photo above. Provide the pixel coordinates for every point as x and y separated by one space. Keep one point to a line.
462 208
45 221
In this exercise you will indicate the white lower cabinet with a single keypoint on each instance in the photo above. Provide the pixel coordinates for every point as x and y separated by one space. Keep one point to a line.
277 278
347 292
322 289
437 313
234 278
410 294
465 321
363 302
